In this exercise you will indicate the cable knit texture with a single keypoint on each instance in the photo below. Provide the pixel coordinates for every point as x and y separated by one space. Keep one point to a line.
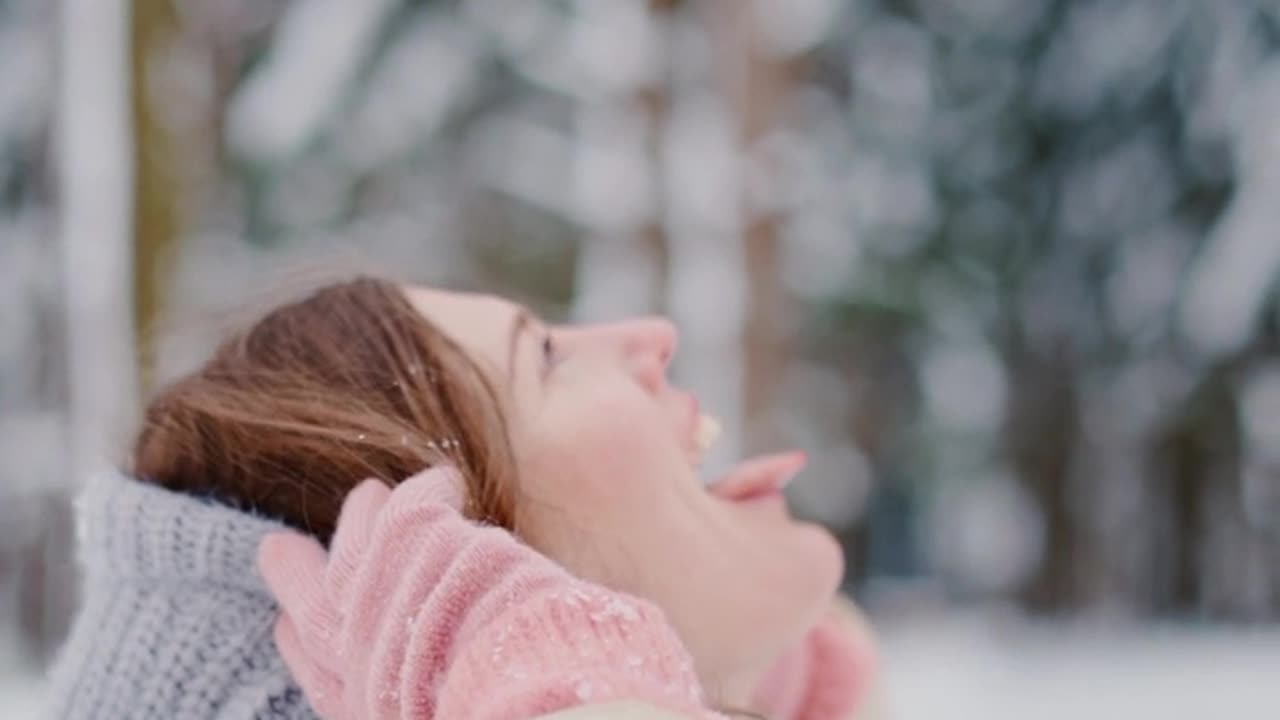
417 612
175 621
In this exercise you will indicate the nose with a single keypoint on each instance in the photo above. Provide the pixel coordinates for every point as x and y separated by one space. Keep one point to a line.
647 344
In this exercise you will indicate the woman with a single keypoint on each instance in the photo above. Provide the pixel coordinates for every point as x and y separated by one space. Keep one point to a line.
569 437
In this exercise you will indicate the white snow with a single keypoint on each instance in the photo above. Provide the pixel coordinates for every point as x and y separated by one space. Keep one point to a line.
965 386
962 668
21 697
316 52
1231 280
957 668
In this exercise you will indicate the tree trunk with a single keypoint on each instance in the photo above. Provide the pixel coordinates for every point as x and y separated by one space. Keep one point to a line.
156 181
654 103
1043 432
754 82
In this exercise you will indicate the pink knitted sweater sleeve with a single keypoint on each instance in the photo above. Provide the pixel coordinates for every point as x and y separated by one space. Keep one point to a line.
571 645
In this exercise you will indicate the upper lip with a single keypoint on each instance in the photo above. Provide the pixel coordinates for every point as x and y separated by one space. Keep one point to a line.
764 475
736 489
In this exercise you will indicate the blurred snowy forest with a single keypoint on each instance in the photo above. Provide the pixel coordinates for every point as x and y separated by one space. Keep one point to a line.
1006 268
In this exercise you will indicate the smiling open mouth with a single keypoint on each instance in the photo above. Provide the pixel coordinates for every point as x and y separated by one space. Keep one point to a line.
757 478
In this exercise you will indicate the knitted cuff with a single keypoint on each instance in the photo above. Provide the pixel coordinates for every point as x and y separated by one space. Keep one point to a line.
571 644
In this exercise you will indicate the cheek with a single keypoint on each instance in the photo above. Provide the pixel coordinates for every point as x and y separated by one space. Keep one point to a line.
601 472
608 440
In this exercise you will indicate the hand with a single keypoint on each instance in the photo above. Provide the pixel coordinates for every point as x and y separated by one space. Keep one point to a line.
417 612
829 676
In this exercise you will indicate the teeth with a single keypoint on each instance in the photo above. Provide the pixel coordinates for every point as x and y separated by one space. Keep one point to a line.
708 432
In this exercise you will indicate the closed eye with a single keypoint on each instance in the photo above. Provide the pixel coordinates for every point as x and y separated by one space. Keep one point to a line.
549 355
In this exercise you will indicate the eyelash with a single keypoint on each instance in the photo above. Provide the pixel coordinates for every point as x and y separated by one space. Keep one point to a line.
549 352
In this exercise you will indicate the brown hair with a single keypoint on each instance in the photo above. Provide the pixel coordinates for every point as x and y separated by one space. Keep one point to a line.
346 384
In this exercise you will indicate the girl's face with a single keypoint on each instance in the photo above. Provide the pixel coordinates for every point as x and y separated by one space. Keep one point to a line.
606 451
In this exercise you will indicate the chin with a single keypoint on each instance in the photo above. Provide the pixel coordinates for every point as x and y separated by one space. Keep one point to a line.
819 557
807 568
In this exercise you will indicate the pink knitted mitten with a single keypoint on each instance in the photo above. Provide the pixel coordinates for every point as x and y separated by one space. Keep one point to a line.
827 676
420 613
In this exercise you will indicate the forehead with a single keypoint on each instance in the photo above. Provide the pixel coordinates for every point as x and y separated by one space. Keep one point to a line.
480 324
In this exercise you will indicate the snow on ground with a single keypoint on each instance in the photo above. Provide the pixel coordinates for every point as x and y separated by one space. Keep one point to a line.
20 697
957 669
20 689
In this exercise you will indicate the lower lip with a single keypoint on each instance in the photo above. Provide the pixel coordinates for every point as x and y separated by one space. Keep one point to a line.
772 495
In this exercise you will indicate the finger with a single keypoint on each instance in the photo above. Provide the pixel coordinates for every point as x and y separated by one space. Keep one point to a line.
322 687
293 566
776 469
355 526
